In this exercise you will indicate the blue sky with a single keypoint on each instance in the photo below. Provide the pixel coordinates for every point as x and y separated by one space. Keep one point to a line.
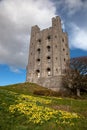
16 19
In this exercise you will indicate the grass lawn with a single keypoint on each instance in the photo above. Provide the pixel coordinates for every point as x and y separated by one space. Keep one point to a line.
20 109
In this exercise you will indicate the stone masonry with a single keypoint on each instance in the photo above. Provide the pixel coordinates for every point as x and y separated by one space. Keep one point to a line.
48 56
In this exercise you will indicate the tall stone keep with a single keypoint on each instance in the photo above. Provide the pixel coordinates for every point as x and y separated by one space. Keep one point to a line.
48 55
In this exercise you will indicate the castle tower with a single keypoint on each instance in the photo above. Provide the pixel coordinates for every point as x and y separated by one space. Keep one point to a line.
48 55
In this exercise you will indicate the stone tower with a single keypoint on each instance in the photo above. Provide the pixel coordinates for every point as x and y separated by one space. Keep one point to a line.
48 55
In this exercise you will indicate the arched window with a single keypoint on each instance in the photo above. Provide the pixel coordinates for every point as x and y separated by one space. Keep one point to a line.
56 58
38 50
55 36
38 73
55 46
62 39
49 37
48 48
48 71
38 61
56 70
48 58
39 40
63 49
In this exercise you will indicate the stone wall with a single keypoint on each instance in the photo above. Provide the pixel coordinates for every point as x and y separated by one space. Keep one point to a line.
48 55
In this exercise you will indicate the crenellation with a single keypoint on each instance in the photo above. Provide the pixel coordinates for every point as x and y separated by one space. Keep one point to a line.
48 55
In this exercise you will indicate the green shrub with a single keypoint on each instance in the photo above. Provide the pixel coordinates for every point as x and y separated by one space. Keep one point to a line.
42 92
51 93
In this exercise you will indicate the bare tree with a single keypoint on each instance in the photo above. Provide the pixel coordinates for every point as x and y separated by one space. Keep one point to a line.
76 76
80 64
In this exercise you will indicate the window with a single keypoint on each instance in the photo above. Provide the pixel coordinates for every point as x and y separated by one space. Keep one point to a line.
56 46
38 59
48 58
64 59
38 73
48 71
62 39
39 40
38 70
48 48
55 36
38 50
63 49
56 58
49 37
56 70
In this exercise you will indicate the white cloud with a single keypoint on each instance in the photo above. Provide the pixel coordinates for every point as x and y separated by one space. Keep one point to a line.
14 69
73 6
16 19
74 3
78 38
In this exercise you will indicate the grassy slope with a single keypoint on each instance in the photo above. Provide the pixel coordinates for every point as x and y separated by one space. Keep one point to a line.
9 121
25 88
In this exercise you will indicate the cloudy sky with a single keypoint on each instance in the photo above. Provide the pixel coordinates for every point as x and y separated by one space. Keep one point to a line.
16 19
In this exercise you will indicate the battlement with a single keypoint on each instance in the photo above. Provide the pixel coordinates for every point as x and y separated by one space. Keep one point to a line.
35 28
56 20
